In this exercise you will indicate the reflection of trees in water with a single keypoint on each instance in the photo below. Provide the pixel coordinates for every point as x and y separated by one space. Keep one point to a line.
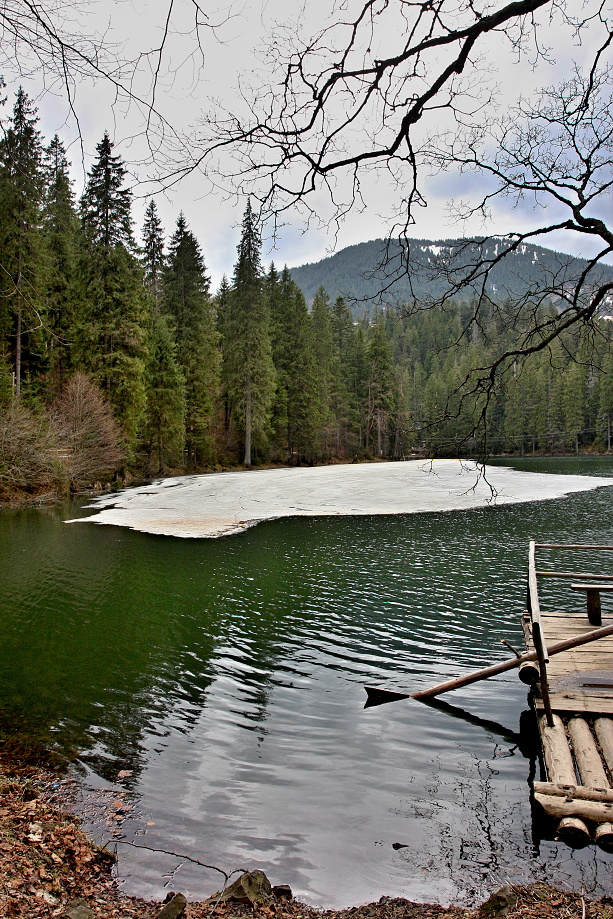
468 838
111 640
478 838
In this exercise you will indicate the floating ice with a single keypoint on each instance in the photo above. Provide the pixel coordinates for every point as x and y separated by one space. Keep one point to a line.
220 504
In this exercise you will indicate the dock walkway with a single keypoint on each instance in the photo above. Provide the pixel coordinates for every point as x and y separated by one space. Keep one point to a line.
572 693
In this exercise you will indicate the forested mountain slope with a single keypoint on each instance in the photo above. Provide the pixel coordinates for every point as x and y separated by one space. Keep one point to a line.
356 273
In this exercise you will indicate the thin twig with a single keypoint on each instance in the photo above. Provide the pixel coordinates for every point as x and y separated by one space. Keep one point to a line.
125 842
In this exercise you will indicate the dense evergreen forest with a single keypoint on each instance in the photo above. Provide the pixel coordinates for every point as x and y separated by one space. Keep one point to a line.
116 357
362 271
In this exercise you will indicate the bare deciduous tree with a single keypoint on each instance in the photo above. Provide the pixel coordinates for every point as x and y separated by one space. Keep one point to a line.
27 457
87 436
62 43
398 90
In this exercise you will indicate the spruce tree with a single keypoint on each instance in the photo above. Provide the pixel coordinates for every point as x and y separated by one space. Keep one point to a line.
60 234
153 252
165 424
605 399
293 356
22 319
106 206
381 402
249 368
322 347
111 331
222 311
347 366
187 302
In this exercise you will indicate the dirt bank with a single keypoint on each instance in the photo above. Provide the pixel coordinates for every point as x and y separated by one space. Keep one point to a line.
49 868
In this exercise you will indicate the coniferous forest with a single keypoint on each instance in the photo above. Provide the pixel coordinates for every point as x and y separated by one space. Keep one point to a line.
117 358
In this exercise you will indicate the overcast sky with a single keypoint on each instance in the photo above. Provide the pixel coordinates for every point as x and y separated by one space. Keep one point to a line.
190 85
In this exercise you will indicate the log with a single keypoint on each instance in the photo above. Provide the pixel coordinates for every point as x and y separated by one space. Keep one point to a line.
556 752
503 666
554 806
602 795
528 671
603 836
586 753
604 733
573 832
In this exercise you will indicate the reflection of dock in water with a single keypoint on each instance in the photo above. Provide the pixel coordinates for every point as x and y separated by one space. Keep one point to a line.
572 693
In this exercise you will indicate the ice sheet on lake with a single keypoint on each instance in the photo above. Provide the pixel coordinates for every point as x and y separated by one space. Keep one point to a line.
220 504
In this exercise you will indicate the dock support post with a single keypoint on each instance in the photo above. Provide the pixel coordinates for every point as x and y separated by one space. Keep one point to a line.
537 636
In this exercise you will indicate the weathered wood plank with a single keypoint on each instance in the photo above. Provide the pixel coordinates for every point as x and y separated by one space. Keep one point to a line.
574 574
586 754
562 627
576 666
573 703
552 545
579 659
573 663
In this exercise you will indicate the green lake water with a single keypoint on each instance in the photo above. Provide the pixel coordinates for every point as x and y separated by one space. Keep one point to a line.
216 687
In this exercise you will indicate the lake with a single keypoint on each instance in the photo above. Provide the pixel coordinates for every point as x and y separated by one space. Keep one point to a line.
214 690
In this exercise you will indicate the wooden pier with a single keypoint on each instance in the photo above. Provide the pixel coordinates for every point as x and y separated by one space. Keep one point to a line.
572 692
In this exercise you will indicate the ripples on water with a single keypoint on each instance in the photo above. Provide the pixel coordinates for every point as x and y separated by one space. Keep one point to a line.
228 676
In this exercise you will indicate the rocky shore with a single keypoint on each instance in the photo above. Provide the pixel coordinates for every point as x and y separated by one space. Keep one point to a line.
49 868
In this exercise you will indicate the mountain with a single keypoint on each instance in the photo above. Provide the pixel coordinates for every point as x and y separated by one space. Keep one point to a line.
356 273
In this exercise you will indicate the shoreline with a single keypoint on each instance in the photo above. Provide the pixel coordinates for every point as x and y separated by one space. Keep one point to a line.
229 503
17 499
50 868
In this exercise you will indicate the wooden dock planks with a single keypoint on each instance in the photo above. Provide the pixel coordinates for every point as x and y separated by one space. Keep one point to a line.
577 744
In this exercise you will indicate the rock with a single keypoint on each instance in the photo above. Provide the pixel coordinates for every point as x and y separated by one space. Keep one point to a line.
253 886
78 909
499 903
282 892
174 908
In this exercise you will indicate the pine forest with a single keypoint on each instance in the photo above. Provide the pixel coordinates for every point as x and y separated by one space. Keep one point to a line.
117 360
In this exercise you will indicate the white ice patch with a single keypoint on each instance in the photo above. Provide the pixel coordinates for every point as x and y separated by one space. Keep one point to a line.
220 504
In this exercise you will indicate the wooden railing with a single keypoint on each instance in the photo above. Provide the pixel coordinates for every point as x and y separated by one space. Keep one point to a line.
592 591
538 636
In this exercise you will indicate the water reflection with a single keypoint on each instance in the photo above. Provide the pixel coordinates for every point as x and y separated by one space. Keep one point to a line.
221 684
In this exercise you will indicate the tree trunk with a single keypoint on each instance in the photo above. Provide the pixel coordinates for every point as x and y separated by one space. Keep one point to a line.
18 354
18 330
248 424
